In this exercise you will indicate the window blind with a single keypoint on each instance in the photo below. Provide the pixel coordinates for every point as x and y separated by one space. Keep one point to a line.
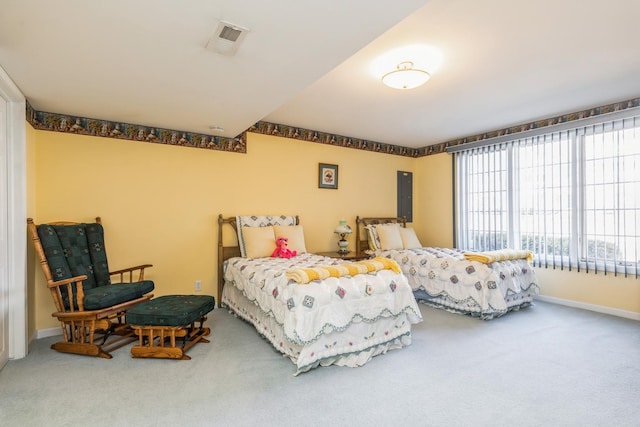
571 195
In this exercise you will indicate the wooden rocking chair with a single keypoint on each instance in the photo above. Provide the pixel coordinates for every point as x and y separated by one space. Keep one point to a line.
90 308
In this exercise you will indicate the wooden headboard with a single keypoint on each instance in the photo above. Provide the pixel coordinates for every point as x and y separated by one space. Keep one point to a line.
362 237
226 252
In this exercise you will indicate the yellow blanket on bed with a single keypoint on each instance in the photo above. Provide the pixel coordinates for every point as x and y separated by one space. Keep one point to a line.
306 275
501 255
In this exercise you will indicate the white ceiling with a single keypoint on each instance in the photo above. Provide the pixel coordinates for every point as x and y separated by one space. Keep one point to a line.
307 64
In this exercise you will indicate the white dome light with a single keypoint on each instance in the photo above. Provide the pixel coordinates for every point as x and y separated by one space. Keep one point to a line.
405 76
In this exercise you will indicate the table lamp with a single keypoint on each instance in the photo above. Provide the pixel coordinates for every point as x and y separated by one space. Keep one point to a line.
342 230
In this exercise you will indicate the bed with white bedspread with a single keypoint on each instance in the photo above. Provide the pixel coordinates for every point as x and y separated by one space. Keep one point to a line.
453 279
341 319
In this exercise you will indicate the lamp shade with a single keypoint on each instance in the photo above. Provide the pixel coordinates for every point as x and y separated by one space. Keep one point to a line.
405 76
343 228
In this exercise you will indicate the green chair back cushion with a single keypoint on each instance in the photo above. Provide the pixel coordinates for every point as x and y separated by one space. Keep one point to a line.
73 250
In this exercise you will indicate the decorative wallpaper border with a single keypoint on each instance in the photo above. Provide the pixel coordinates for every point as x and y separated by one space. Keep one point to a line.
592 112
301 134
108 129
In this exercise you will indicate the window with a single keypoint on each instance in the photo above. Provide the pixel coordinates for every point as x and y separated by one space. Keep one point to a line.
570 194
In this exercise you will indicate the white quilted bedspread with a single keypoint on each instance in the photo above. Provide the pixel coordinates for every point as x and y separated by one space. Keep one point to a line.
320 307
440 271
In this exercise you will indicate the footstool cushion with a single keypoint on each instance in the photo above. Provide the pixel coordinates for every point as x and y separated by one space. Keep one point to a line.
171 310
161 322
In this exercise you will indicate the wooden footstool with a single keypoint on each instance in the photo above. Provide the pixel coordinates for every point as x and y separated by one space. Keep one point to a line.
166 321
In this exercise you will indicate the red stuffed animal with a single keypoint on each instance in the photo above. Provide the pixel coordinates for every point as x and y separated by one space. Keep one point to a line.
282 249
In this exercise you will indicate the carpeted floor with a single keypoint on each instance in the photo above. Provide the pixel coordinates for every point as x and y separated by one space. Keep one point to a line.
547 365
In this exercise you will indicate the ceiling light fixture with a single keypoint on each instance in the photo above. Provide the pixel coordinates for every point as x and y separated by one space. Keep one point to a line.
405 76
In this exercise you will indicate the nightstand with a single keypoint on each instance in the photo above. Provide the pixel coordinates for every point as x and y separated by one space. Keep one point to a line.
350 256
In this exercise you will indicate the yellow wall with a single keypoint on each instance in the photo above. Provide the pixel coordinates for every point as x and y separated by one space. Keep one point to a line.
597 289
434 183
159 204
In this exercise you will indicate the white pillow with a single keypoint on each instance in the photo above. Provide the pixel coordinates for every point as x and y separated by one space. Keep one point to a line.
389 235
294 233
260 241
409 238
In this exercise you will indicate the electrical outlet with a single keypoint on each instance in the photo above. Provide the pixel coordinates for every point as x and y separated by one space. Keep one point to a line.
198 285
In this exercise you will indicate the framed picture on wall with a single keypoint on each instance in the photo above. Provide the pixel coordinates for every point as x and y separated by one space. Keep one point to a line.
327 176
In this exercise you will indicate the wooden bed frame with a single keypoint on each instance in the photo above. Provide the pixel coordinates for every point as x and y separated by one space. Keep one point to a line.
226 252
362 237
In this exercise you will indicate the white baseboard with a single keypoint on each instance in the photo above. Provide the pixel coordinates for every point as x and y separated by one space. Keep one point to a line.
46 333
592 307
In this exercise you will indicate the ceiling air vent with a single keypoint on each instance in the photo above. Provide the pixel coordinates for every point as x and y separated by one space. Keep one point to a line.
226 38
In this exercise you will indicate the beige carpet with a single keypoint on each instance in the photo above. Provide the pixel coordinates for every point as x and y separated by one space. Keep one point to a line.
546 365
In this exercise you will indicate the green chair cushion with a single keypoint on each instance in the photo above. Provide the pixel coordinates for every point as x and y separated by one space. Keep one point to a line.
78 249
171 310
110 295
